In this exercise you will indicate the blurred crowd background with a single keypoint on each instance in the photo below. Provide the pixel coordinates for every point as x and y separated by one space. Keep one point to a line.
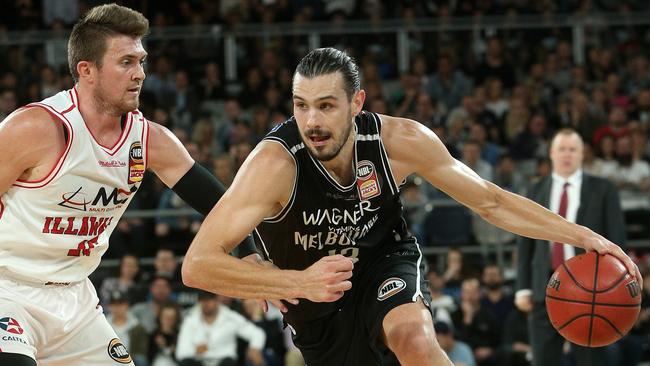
492 78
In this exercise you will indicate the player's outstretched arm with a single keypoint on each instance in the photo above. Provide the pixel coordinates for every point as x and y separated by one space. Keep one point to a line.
31 141
262 185
167 157
413 148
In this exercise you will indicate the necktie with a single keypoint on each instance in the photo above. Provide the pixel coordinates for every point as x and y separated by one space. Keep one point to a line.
557 250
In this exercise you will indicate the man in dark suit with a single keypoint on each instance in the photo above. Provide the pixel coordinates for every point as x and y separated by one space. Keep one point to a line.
580 198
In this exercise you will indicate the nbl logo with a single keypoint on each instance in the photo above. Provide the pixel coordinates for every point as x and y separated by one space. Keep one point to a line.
135 153
136 163
118 351
390 287
367 182
10 325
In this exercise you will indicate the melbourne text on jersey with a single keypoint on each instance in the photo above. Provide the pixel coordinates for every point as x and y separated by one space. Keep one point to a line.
344 226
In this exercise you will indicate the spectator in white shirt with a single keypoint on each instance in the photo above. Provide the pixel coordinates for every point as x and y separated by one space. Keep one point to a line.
208 337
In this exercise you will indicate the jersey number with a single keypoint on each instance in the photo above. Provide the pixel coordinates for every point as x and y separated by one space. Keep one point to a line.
84 248
352 253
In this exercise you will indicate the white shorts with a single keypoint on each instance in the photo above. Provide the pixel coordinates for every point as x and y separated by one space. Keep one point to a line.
58 325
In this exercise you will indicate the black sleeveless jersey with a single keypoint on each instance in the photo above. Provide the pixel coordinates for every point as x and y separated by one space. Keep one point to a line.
325 218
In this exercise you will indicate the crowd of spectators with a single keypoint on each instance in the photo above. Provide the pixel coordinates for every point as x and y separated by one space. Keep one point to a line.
494 97
164 323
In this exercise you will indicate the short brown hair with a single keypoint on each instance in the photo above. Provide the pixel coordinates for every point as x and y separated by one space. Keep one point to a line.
88 38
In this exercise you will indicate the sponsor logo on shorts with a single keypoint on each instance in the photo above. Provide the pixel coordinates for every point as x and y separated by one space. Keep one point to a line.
10 325
118 352
13 339
50 283
367 180
390 287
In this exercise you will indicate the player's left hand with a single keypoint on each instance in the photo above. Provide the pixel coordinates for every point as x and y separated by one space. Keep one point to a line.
264 303
603 246
255 357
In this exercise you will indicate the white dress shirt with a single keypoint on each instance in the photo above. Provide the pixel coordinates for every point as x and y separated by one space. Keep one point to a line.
220 336
573 192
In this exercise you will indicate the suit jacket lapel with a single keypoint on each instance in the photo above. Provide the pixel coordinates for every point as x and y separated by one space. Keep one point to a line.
584 202
544 199
545 192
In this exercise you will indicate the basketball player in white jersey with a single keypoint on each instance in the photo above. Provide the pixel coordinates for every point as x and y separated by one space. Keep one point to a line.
319 176
69 166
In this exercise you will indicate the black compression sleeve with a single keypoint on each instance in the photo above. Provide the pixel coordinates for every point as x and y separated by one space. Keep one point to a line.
202 191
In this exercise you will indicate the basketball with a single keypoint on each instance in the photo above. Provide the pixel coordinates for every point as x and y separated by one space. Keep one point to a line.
592 301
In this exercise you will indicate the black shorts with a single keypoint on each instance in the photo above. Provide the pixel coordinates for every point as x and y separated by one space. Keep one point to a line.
352 335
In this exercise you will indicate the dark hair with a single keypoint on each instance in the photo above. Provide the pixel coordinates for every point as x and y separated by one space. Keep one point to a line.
88 38
118 296
206 295
441 327
323 61
163 277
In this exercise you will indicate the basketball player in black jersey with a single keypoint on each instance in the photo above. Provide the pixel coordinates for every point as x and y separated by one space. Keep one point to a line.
321 193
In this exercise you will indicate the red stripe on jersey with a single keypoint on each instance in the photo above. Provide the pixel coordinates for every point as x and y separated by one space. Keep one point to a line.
112 150
146 146
57 167
123 138
69 109
75 96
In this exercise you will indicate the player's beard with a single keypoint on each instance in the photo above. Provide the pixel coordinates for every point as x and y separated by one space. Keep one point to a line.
335 147
115 108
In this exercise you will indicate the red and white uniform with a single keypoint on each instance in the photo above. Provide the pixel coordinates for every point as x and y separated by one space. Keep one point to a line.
54 231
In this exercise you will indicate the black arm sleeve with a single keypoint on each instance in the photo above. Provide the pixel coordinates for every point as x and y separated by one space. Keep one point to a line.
202 191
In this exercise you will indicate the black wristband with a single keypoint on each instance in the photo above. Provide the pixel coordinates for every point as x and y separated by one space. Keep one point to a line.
202 191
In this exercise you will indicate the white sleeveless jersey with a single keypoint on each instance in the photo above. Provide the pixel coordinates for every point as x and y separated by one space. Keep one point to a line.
56 229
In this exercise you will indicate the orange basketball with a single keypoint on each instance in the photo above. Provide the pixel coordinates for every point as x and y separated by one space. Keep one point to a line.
592 300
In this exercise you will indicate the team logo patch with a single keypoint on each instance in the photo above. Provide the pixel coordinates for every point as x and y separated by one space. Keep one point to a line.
367 180
390 287
118 351
10 325
136 163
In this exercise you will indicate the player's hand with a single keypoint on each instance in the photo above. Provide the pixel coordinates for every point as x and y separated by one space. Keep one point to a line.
264 303
604 246
254 356
201 349
482 353
160 341
327 279
524 303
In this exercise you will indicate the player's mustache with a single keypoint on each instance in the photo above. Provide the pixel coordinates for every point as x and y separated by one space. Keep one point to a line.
316 132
